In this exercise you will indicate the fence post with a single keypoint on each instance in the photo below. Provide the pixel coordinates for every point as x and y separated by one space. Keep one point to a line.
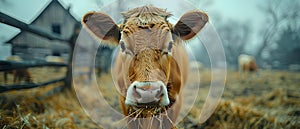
72 42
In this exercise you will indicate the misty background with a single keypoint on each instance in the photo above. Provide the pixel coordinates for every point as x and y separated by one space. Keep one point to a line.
268 30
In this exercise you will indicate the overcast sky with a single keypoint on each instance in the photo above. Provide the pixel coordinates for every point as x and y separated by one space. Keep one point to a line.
244 11
27 10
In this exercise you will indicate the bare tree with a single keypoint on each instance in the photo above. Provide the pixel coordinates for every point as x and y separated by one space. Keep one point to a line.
234 37
279 15
287 50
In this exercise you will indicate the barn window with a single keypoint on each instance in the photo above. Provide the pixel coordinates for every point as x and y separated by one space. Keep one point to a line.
56 28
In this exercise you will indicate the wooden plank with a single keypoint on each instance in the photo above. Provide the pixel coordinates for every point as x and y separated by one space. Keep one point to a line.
11 65
28 86
30 28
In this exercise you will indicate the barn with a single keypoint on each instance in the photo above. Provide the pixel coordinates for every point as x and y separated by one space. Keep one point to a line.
55 18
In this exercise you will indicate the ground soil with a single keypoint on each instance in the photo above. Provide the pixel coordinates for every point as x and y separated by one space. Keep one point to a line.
270 100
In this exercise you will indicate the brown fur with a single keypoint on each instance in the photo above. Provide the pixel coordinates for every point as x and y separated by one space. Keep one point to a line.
251 67
18 74
247 63
247 66
145 36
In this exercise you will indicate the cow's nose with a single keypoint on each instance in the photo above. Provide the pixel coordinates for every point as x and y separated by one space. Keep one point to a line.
147 93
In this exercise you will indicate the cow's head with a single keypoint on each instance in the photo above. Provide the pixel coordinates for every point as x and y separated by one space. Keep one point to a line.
146 39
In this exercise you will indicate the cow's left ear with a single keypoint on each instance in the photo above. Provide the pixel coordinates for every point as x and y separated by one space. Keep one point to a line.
102 26
190 24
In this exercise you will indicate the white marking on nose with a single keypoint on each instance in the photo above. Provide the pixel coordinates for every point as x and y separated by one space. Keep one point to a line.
157 91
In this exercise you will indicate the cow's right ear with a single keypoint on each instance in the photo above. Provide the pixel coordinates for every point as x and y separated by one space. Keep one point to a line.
190 24
102 26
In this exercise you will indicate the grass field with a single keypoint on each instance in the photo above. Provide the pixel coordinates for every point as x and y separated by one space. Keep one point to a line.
269 101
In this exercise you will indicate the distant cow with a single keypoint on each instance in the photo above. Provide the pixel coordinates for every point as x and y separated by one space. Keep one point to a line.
247 64
19 74
152 64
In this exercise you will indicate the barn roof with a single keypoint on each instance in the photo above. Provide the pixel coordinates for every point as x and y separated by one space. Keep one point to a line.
16 9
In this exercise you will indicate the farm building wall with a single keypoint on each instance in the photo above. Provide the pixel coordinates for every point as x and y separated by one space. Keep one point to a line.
54 18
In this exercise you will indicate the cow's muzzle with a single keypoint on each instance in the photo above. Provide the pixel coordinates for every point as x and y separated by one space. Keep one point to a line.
147 94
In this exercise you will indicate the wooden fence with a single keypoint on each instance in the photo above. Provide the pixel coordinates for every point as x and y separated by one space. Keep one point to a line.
10 65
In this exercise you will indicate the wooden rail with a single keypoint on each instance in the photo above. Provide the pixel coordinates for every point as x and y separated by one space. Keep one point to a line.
30 28
11 65
28 86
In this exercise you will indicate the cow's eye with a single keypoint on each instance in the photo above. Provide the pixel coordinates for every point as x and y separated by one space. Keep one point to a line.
123 47
170 45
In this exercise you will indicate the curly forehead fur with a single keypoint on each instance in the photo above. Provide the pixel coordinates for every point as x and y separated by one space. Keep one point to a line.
142 21
146 15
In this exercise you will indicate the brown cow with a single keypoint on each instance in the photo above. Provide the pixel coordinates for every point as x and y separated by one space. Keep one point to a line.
152 66
18 74
247 64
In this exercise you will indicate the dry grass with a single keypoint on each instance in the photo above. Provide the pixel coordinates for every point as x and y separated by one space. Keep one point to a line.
270 101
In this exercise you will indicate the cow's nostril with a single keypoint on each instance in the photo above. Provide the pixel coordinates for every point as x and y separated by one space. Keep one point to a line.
159 92
136 93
